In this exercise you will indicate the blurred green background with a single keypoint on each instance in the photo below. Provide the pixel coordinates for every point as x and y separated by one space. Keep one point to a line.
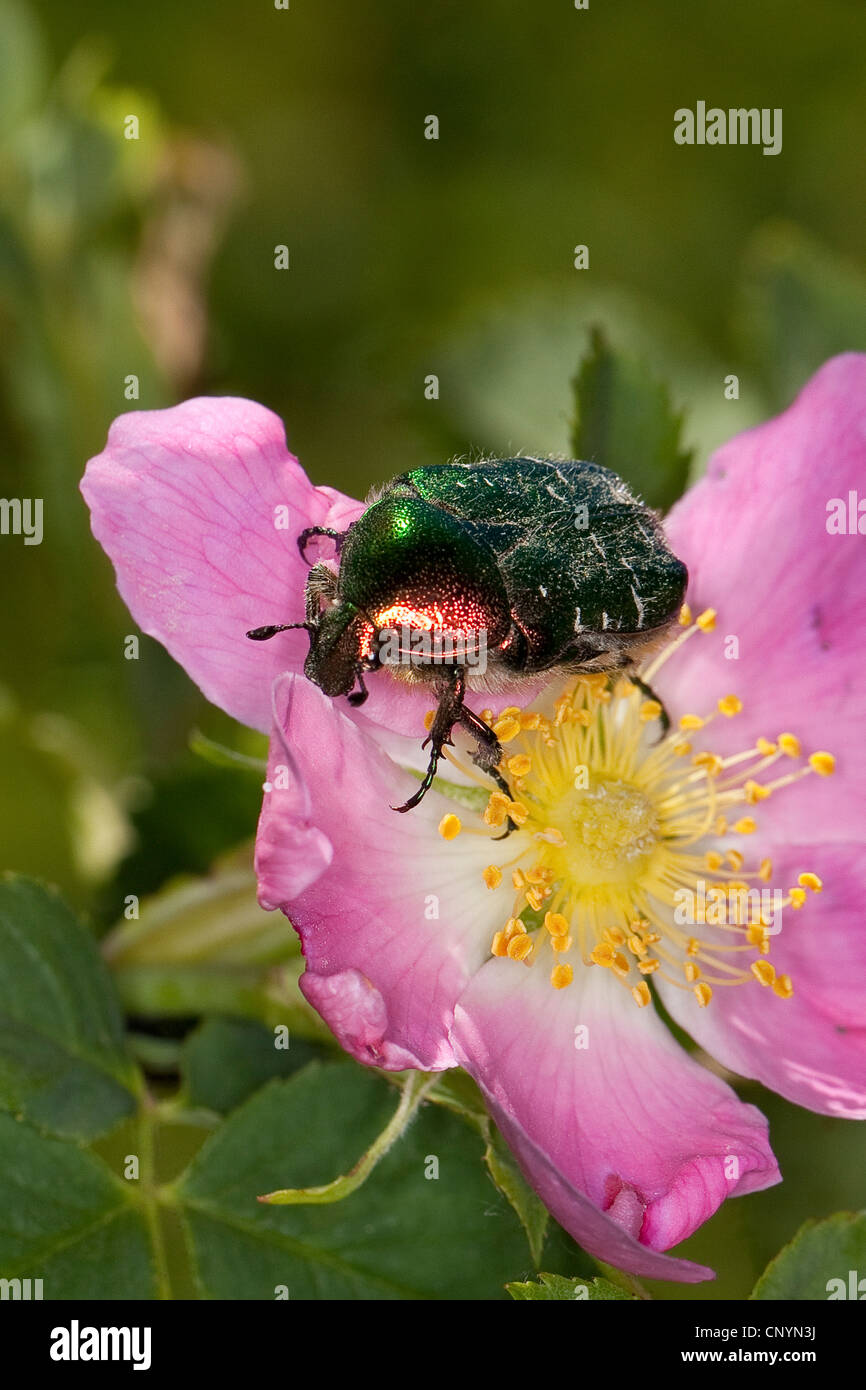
409 256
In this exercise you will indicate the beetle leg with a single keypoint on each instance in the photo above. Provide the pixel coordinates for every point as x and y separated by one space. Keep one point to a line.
336 536
651 695
439 737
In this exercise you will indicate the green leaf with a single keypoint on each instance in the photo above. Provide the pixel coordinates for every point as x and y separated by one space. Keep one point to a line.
403 1234
533 1214
800 303
821 1252
62 1063
68 1221
556 1288
624 420
227 1059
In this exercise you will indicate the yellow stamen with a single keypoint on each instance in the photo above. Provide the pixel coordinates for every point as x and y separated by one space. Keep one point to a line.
519 764
703 993
789 744
706 621
823 763
506 728
641 994
492 876
729 705
812 881
519 947
763 972
561 975
450 827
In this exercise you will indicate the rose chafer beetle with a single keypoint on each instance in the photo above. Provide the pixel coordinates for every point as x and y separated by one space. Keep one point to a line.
473 575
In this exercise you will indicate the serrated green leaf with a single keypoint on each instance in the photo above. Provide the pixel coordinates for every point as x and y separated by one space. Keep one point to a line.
819 1262
62 1061
556 1288
404 1234
67 1221
624 420
226 1060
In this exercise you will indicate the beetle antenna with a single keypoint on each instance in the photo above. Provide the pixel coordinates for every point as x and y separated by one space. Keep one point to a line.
262 634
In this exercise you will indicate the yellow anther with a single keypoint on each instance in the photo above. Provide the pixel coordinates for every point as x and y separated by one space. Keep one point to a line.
492 876
530 720
496 809
519 764
536 875
710 762
636 946
783 986
561 975
764 971
822 763
702 993
510 712
535 897
500 944
428 719
518 812
551 836
797 896
615 935
556 923
685 618
693 946
651 937
757 935
765 747
729 705
602 954
790 745
682 748
691 971
689 722
810 881
515 926
735 860
450 827
706 621
561 944
518 879
641 994
620 964
755 792
649 967
506 728
487 716
649 710
713 860
765 871
519 947
745 826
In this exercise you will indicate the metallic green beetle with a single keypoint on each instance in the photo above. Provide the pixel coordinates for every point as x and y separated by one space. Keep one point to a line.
479 574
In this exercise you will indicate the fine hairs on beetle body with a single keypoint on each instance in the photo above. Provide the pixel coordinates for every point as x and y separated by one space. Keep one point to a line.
540 565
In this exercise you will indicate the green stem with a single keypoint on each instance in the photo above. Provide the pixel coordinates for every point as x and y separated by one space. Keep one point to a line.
413 1091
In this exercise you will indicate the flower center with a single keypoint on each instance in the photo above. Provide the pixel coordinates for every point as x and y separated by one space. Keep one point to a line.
626 853
610 829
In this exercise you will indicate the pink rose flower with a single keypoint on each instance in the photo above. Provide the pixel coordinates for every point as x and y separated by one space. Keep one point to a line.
431 943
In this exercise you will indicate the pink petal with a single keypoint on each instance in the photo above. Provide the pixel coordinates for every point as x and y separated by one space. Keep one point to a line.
184 503
625 1140
363 886
811 1048
754 535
